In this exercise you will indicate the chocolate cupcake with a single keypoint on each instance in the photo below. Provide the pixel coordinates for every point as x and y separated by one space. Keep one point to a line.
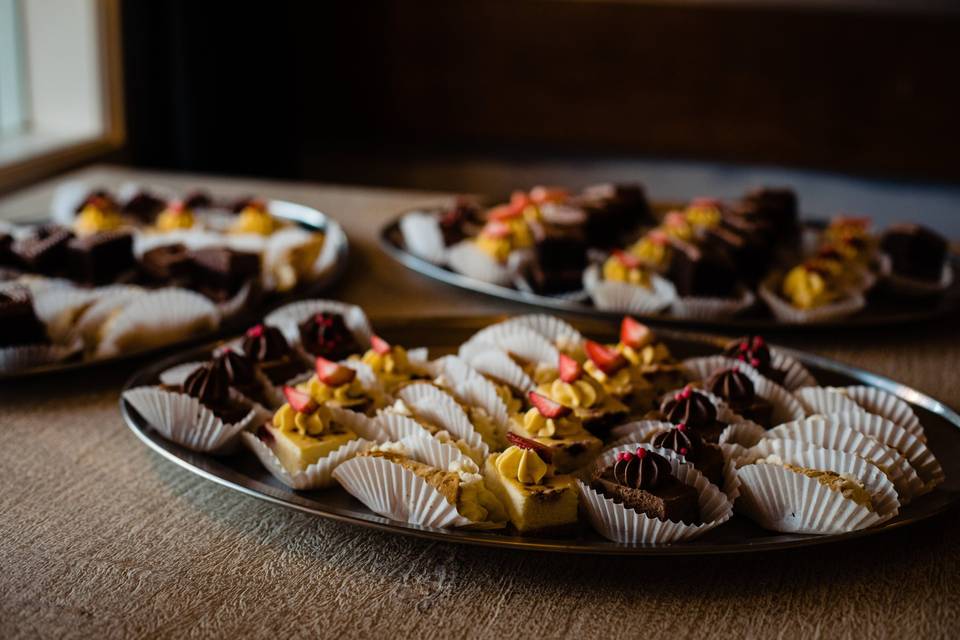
242 375
644 482
706 457
736 389
753 350
210 384
696 411
326 335
268 349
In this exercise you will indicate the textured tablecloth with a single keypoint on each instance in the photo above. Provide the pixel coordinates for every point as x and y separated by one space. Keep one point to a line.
100 537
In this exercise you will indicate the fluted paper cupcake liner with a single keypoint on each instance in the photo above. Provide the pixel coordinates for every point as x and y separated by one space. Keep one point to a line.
796 375
841 438
89 325
782 500
60 308
34 355
177 374
638 431
516 339
330 251
745 434
428 450
824 401
558 332
914 287
159 318
466 258
243 299
287 317
611 295
498 365
184 420
469 387
702 308
620 524
423 237
318 475
786 312
441 409
885 404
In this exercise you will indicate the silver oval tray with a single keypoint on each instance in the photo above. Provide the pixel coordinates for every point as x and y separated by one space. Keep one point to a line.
307 217
243 472
880 311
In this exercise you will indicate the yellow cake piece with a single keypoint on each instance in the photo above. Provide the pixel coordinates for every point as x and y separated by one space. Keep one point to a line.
301 439
535 500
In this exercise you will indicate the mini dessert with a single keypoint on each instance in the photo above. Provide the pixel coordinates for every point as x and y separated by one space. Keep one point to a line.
704 213
45 251
702 271
99 257
175 216
706 457
391 364
643 481
753 350
776 208
144 206
254 218
292 256
554 426
560 256
98 214
302 432
915 251
242 375
457 221
657 366
736 389
810 285
219 273
613 212
653 250
19 320
625 267
591 404
211 386
502 235
676 227
337 385
167 264
325 334
268 349
618 376
696 411
537 500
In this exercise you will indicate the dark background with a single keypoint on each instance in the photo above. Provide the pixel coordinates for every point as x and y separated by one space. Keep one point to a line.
368 92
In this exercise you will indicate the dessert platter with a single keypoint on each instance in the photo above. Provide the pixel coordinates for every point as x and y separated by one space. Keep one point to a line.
528 432
748 262
114 276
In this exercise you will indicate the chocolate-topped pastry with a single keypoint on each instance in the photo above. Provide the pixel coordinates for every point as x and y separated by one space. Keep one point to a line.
704 271
778 206
643 481
242 374
327 335
696 411
144 206
18 319
219 272
45 251
613 212
753 350
750 253
210 384
706 457
101 257
266 346
559 260
737 390
167 264
915 251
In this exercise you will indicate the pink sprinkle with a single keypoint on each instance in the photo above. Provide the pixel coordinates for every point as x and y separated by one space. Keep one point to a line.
624 456
641 453
754 362
744 346
683 451
255 331
682 427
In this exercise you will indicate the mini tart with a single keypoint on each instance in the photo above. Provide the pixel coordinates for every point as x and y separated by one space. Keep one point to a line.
627 384
396 367
537 501
352 395
300 439
571 446
591 404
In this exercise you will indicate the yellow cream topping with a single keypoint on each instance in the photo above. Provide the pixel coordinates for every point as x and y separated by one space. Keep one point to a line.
497 248
93 219
522 465
618 384
392 363
653 252
705 216
614 269
807 288
675 225
255 219
289 420
646 356
536 424
172 218
345 394
577 394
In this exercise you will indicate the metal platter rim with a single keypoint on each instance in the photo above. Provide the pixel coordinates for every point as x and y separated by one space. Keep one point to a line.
210 469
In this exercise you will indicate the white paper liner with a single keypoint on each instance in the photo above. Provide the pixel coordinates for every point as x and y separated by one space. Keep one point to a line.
611 295
824 401
841 438
330 251
786 312
240 301
470 387
423 237
796 375
159 318
701 308
885 404
913 287
498 365
59 308
560 333
287 317
88 326
637 431
619 524
184 420
464 257
319 475
34 355
516 339
440 408
178 374
782 500
744 434
67 197
917 453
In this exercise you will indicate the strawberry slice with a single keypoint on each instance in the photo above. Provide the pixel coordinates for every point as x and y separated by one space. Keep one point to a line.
496 229
255 331
634 334
547 407
570 369
532 445
628 260
541 194
299 400
334 374
519 201
379 345
503 212
607 360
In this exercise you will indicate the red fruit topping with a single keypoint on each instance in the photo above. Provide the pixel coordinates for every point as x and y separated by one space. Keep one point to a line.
658 237
758 342
334 374
641 453
744 346
628 260
624 456
675 219
380 345
501 213
255 331
634 334
547 407
299 400
754 362
607 360
683 395
683 451
519 201
531 445
681 427
496 229
570 369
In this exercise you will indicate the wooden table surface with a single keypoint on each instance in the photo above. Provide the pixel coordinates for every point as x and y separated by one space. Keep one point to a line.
100 537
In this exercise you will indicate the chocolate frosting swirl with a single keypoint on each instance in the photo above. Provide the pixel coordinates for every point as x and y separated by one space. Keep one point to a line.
327 334
239 368
264 343
684 441
691 408
209 384
750 349
732 385
643 470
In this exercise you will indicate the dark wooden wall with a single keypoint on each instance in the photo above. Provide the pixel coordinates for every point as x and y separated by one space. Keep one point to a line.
301 84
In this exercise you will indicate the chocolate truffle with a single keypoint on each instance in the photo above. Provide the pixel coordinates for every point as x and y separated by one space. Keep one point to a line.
736 389
268 349
706 457
696 411
210 384
753 350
